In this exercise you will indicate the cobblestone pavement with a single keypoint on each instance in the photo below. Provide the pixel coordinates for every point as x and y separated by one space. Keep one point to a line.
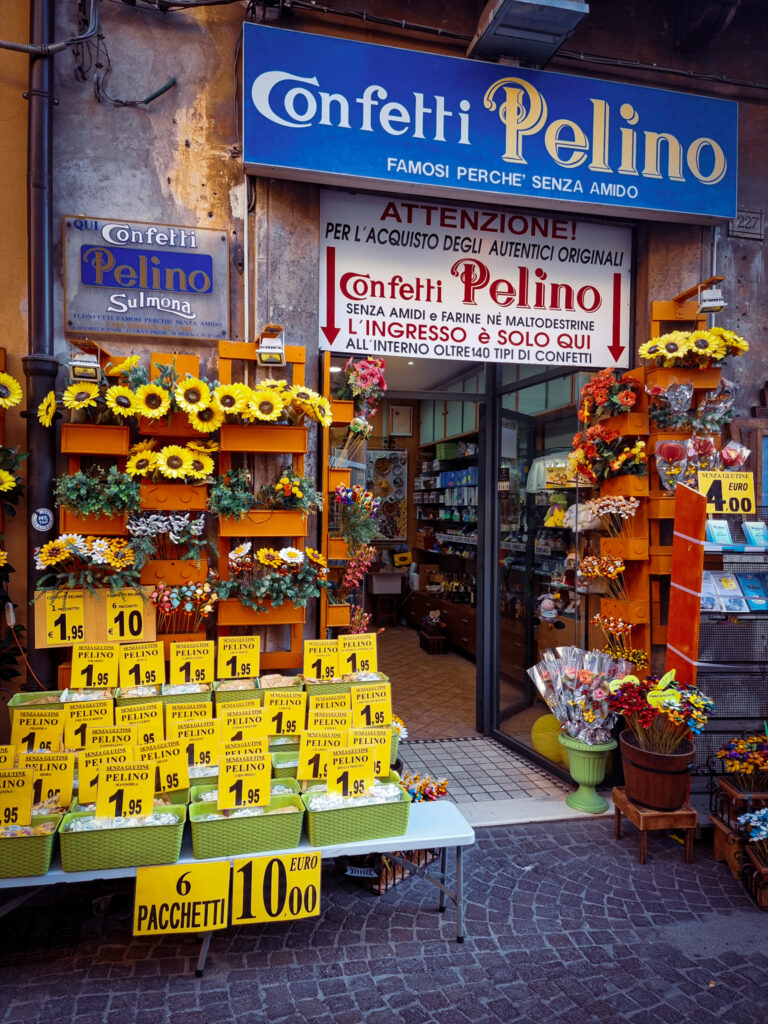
562 925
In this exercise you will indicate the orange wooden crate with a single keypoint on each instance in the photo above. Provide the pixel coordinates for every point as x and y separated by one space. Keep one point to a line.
338 478
628 485
266 523
630 611
105 526
94 439
664 376
177 426
169 497
629 548
342 411
337 549
278 440
662 507
174 572
232 613
634 423
336 614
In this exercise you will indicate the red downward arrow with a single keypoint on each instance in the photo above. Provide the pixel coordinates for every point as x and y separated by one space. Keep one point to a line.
330 330
616 348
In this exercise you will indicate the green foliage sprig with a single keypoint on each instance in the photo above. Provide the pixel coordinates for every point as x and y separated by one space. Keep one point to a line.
231 496
96 493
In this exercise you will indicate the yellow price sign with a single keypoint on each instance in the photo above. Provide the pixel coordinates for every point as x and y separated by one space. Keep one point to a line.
350 770
380 743
239 657
251 746
192 662
180 898
147 718
16 796
357 652
94 665
99 737
244 781
35 729
64 618
329 701
53 774
313 752
249 699
142 664
276 888
321 659
82 716
341 719
201 740
169 759
658 697
191 711
125 790
241 724
728 493
286 713
7 756
372 705
89 763
125 616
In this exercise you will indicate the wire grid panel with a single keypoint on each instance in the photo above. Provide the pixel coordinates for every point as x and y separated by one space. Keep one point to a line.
734 639
736 694
706 746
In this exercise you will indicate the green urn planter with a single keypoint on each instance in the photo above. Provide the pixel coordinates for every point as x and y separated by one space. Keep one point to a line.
587 767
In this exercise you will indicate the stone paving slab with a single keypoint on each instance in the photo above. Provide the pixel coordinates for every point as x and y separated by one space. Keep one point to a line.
563 924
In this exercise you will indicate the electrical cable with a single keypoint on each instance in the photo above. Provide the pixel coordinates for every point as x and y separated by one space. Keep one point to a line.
48 49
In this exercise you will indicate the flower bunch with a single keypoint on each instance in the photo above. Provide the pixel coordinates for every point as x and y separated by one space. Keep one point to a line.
174 534
290 492
661 713
190 463
693 349
360 621
607 395
357 510
273 576
421 789
613 512
599 453
364 383
574 685
95 493
618 636
183 608
355 571
755 829
94 401
11 482
611 570
745 759
74 561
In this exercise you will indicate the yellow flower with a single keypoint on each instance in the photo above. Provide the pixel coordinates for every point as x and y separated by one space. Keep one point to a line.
674 346
272 384
735 345
315 557
3 557
231 399
147 445
191 394
10 391
53 552
126 365
141 463
302 396
322 409
707 345
206 419
121 401
80 396
152 401
47 409
650 350
266 405
173 462
200 465
269 557
7 480
202 446
120 554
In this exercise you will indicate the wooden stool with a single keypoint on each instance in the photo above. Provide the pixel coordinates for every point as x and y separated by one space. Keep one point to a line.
646 820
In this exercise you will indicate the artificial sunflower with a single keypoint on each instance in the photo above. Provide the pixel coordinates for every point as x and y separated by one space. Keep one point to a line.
315 558
734 344
706 345
200 465
231 399
322 410
80 396
10 391
141 463
302 396
47 409
266 405
53 552
120 554
152 401
202 446
173 461
127 364
191 394
269 557
121 401
3 558
650 350
272 384
7 480
147 445
206 419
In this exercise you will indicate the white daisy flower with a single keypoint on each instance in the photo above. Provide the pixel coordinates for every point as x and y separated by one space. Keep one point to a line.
291 556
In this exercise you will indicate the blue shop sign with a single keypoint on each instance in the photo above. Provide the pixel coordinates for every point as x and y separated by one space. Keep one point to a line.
105 267
325 109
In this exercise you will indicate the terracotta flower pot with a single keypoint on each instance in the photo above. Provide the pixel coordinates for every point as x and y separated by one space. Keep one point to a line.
658 781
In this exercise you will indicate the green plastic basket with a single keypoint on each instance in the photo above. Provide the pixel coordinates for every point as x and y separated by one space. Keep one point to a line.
227 696
204 780
299 688
281 770
290 784
291 747
121 847
337 686
177 797
23 856
122 702
185 698
229 837
353 824
21 700
395 745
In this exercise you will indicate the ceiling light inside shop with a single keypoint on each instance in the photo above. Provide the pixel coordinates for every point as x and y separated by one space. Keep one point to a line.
529 31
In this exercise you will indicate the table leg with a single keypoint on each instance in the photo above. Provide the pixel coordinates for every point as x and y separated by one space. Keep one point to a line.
688 845
203 954
617 822
443 873
643 846
459 895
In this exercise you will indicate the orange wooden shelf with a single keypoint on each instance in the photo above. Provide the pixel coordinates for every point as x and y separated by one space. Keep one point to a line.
174 571
105 526
336 614
342 411
628 485
266 523
634 423
662 507
629 611
663 376
278 440
629 548
94 439
232 613
167 497
177 425
338 478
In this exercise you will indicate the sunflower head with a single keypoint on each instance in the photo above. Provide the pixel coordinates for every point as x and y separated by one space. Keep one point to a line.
47 409
173 461
231 399
200 465
269 557
273 385
3 558
80 396
121 401
206 419
53 552
7 481
141 463
152 401
130 363
147 445
202 446
315 558
322 411
192 393
266 405
302 396
10 391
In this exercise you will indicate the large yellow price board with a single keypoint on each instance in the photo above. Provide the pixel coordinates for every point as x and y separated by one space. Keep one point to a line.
241 724
357 652
313 752
286 713
201 740
125 790
192 662
15 796
125 616
82 716
728 493
371 705
329 701
142 664
90 763
244 781
190 711
380 743
239 657
64 618
321 659
38 729
170 761
94 665
350 770
53 776
148 719
280 888
181 898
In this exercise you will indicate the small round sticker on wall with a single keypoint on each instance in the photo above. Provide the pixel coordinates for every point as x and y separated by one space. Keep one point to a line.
42 519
